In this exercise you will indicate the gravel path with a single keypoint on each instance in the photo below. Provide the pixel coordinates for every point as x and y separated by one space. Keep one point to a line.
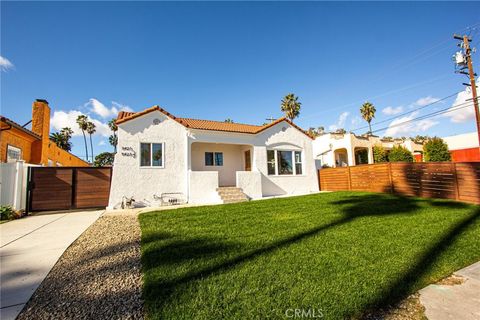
98 277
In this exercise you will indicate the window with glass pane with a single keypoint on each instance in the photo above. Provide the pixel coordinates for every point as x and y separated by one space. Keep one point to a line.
298 162
218 158
209 158
271 161
145 155
157 155
284 162
13 154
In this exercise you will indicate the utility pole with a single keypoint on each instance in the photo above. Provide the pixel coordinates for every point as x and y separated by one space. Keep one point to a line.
468 56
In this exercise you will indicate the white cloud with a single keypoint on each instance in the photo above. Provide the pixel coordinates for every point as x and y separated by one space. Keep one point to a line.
61 119
340 122
396 129
103 111
5 64
425 100
392 110
102 143
462 114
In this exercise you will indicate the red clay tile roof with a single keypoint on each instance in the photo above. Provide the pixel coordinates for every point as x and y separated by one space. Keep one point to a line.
124 116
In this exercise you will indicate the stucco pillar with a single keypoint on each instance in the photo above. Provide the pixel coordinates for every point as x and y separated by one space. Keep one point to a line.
350 156
370 155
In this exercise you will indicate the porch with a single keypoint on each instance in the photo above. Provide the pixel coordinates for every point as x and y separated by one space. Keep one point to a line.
214 167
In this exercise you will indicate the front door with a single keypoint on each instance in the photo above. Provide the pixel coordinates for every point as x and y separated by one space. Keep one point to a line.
248 161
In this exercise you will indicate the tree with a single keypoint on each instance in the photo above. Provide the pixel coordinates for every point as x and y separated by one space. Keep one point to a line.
113 139
291 106
62 138
320 130
380 154
82 121
435 149
368 113
400 153
340 131
228 120
91 130
104 159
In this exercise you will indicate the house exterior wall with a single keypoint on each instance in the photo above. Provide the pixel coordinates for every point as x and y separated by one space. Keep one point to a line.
233 160
203 187
18 139
325 147
463 147
129 179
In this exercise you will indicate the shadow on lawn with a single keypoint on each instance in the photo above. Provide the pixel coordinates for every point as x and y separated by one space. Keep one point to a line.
407 283
352 208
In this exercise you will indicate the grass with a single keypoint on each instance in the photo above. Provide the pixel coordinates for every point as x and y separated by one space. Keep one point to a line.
341 253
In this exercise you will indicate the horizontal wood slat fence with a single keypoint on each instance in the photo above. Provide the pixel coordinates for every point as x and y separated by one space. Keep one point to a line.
63 188
446 180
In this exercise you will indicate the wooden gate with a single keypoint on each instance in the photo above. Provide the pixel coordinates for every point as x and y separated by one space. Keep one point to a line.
63 188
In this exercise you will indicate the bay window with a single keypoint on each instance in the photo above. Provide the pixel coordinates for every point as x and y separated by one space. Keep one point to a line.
284 162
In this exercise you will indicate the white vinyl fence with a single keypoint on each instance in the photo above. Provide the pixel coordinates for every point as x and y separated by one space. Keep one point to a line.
13 184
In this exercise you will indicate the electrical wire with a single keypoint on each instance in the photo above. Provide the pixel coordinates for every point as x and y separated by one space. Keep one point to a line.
431 115
410 111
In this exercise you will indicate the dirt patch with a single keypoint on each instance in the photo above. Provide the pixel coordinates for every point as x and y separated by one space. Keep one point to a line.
407 309
451 280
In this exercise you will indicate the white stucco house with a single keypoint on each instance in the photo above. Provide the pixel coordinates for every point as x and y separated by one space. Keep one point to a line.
348 149
159 154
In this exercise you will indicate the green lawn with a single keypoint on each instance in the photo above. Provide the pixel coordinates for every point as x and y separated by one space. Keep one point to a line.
343 253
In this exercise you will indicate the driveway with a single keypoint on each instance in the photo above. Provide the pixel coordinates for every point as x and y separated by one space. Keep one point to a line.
29 248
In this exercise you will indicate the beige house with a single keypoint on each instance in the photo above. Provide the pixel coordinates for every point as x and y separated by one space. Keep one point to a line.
340 150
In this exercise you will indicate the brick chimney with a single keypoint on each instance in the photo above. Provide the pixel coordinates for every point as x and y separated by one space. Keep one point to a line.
41 126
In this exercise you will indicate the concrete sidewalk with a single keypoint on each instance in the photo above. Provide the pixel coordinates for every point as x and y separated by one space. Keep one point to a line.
456 301
29 248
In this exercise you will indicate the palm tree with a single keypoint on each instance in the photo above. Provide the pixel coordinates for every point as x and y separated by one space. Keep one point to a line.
91 130
290 106
368 113
82 121
61 141
228 120
113 138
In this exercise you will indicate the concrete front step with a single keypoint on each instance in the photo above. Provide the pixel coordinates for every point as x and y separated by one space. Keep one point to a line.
231 194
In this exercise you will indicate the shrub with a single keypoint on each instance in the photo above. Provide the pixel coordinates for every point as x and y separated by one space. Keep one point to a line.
435 149
399 153
379 154
7 213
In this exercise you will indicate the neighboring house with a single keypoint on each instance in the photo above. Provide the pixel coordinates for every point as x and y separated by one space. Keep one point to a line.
159 153
463 147
340 150
33 146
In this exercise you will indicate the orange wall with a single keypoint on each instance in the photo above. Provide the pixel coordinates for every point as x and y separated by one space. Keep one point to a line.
16 138
63 157
465 155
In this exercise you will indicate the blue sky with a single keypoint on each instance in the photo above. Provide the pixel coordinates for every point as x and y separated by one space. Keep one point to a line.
218 60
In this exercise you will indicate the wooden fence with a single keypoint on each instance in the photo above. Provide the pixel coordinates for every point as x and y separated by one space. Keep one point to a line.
63 188
447 180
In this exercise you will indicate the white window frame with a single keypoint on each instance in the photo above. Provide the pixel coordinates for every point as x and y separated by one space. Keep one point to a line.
151 166
294 169
13 148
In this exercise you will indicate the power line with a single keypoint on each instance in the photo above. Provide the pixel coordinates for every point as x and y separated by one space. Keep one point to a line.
430 115
408 112
387 93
